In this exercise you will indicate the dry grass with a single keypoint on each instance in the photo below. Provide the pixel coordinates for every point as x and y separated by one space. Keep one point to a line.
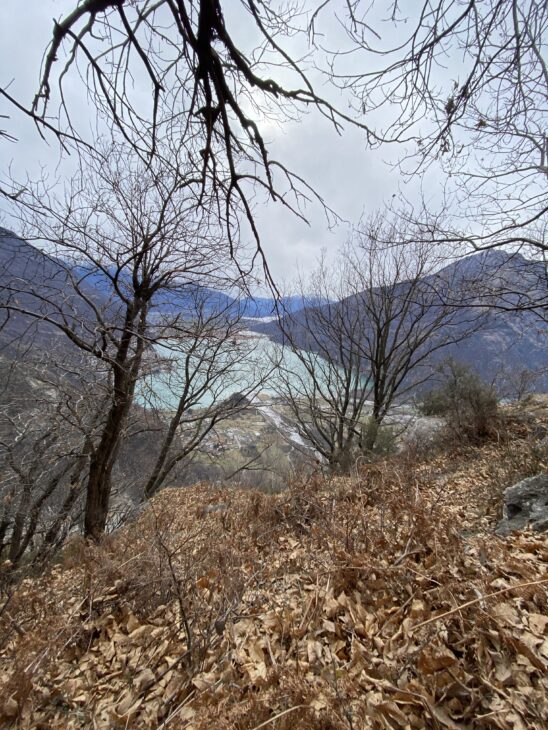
378 601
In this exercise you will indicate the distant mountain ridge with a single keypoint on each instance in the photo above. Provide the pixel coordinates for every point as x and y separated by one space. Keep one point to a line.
26 267
29 279
253 307
509 341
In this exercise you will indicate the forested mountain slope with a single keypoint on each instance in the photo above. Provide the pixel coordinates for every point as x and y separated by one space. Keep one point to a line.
499 287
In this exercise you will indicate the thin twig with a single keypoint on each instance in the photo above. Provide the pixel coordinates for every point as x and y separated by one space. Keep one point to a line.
478 600
281 714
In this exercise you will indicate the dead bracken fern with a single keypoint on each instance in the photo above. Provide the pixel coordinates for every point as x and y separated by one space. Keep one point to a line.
381 600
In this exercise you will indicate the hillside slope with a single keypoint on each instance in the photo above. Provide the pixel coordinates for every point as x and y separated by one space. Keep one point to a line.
379 601
508 341
34 282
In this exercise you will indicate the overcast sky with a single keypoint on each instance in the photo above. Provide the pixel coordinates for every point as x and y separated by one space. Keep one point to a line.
352 179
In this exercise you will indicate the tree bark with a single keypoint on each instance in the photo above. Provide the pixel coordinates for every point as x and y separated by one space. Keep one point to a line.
102 460
100 470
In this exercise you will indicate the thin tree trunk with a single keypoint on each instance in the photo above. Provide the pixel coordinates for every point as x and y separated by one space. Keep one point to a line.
153 482
102 461
51 536
19 523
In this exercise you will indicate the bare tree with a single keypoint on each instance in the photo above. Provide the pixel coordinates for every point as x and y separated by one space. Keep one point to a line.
212 375
209 92
463 85
459 82
370 343
321 372
134 232
48 421
51 420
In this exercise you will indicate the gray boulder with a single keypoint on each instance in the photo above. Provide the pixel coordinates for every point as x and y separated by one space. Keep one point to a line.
525 505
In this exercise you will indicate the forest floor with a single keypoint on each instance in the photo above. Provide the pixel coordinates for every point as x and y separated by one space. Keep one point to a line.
379 600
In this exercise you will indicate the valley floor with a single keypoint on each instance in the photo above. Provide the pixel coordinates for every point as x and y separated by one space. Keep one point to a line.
379 600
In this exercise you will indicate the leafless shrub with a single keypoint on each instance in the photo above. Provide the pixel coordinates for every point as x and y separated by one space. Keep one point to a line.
470 407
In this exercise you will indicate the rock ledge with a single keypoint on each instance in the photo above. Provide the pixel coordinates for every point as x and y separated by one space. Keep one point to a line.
525 504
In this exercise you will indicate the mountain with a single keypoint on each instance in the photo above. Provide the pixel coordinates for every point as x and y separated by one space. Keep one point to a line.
181 298
35 282
508 342
262 307
43 285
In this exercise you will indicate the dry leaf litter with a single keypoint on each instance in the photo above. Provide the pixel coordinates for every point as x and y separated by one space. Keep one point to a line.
381 600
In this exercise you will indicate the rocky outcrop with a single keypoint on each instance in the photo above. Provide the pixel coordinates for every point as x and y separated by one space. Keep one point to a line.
525 505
